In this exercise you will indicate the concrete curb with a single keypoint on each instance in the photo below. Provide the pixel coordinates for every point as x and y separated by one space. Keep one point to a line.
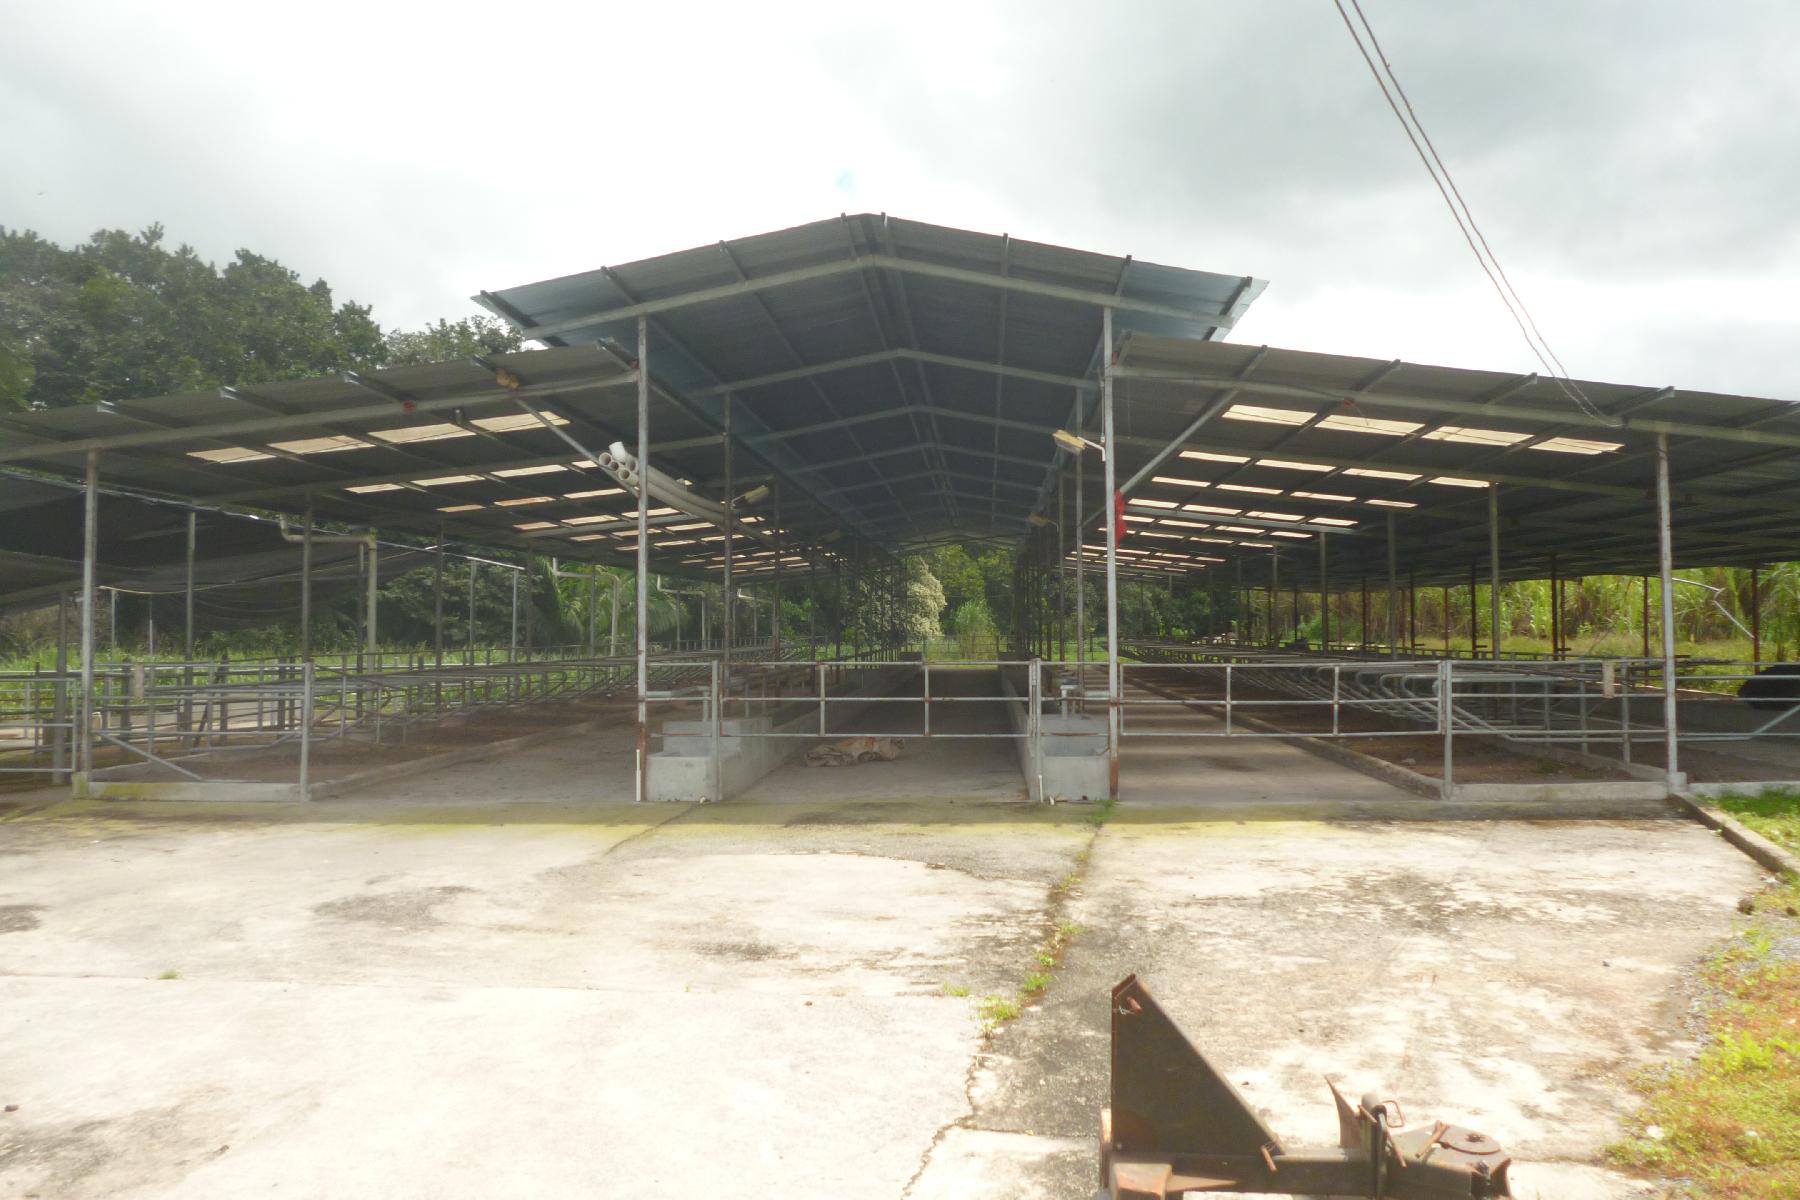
1758 847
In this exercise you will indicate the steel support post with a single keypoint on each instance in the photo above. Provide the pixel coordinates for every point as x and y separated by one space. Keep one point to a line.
1474 610
59 709
306 556
1363 636
306 723
187 623
1412 613
90 548
530 608
372 631
730 630
1494 633
1324 598
1062 568
1241 624
716 713
780 549
512 637
1665 565
1274 592
187 640
642 790
1447 723
437 598
593 606
1114 697
1035 698
1555 611
1756 615
469 632
1081 626
1393 584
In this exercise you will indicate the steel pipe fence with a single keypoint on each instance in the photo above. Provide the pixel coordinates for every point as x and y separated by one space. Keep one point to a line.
774 695
1596 706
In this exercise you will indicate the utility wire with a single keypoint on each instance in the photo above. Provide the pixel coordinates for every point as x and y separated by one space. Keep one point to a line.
1389 83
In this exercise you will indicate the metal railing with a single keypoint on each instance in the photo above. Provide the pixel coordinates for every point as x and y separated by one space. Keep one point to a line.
795 699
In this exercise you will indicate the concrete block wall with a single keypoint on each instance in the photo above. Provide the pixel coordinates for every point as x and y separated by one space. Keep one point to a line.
683 768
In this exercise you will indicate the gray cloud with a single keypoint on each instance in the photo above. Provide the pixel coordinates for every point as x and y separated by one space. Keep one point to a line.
1632 162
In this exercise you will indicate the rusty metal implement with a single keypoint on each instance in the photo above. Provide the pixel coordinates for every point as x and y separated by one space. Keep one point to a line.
1176 1125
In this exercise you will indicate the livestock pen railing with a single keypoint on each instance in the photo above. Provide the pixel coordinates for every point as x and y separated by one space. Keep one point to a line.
897 693
1597 707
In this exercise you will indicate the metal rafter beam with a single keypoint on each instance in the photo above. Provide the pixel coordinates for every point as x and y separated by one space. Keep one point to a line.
878 262
489 393
1438 407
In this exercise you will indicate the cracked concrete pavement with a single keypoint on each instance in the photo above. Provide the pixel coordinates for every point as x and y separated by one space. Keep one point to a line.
409 999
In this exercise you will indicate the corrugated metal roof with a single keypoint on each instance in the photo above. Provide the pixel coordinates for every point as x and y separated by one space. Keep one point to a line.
1354 441
877 361
903 380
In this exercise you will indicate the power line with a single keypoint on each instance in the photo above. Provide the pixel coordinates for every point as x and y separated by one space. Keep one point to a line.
1459 211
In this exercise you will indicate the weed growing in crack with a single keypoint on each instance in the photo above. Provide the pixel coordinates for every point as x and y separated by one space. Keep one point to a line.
996 1010
956 989
1035 983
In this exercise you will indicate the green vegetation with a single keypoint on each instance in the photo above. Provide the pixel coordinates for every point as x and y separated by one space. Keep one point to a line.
996 1010
1728 1123
122 316
1775 814
956 989
1035 983
171 973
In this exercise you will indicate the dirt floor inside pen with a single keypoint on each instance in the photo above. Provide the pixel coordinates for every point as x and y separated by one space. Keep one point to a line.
485 981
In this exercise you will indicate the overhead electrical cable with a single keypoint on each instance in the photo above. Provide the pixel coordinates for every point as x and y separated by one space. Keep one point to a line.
1389 83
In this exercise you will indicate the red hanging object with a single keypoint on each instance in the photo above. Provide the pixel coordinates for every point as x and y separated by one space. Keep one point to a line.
1119 514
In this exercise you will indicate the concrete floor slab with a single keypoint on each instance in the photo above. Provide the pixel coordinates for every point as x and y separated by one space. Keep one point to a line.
1509 976
426 992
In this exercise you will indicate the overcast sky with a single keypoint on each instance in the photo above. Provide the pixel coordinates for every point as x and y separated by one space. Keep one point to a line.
1635 163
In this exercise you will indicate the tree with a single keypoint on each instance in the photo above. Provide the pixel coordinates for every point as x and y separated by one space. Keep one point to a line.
871 617
123 316
444 341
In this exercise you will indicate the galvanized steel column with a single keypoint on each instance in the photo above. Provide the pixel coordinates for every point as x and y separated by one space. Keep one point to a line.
1324 599
306 545
1494 570
1113 695
1274 592
775 606
187 640
1665 563
90 547
1393 616
437 598
643 559
1080 567
730 630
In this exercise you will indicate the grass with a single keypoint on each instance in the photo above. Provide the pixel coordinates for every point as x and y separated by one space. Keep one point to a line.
956 989
1728 1123
171 973
1775 814
996 1010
